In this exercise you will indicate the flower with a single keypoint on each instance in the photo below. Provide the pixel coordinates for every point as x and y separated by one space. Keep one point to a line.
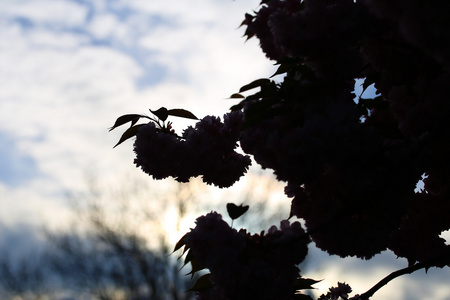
342 290
208 149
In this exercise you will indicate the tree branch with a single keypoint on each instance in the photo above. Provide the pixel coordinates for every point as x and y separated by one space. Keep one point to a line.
423 265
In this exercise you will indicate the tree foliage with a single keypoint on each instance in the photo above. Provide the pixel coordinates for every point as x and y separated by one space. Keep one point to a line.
350 164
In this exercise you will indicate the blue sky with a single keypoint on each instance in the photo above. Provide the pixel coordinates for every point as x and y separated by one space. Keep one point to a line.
69 68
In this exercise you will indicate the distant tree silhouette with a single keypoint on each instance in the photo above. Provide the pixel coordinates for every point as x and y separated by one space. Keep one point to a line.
26 278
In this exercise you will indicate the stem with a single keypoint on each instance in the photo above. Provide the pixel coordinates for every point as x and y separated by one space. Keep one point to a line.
390 277
150 118
426 264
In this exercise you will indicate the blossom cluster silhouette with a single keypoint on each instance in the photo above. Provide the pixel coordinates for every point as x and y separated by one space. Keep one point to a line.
351 164
208 149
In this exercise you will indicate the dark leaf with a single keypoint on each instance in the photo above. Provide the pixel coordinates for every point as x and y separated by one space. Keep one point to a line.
237 96
235 211
178 112
254 84
180 243
302 297
305 283
161 113
237 107
186 248
129 133
248 19
133 118
283 68
202 283
195 266
411 262
189 257
249 34
256 96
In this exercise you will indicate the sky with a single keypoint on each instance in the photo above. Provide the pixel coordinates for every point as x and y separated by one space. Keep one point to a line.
69 68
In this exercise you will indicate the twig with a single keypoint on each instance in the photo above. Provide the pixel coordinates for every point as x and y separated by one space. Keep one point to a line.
426 264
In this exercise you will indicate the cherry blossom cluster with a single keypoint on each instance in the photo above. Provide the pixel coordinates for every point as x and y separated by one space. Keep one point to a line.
244 266
351 165
330 159
208 149
340 292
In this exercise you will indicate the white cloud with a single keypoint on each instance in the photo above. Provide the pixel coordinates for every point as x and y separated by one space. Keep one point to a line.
61 13
41 38
106 25
212 12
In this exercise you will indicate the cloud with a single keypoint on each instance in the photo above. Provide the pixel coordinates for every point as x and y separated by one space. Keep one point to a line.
55 14
106 25
16 167
69 68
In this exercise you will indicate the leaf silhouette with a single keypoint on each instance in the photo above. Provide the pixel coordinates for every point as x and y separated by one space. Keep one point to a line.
129 133
254 84
235 211
237 95
161 113
182 113
202 283
133 118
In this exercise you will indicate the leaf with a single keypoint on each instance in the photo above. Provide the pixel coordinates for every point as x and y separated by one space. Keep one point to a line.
189 257
195 266
236 107
305 283
182 113
129 133
411 262
283 68
133 118
186 248
180 243
254 84
202 283
161 113
237 96
302 297
235 211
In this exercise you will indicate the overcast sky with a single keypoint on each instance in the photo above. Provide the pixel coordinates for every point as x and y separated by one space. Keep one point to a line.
69 68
